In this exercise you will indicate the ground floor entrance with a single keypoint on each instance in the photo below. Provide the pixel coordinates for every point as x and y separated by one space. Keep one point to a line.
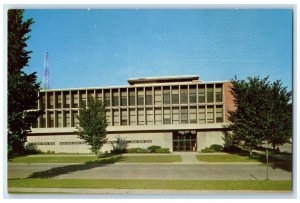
185 140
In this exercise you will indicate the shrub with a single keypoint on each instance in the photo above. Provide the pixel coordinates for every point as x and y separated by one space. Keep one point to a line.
30 148
163 150
208 150
120 146
217 147
138 150
154 148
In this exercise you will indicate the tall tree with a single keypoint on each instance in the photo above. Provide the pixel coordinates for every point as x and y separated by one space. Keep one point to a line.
22 87
262 112
93 124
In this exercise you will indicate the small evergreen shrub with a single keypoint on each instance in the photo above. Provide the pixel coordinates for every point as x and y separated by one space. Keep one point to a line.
217 147
163 150
138 150
30 148
154 148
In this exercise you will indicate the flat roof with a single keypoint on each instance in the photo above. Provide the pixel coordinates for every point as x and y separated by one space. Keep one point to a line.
162 79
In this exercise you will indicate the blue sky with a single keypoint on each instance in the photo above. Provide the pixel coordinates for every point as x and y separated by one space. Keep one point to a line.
95 48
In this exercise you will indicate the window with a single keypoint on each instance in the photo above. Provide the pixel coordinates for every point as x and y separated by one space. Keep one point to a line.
99 95
157 95
115 97
149 116
167 116
43 101
107 97
123 97
67 119
75 119
67 101
91 93
108 116
59 119
74 99
201 94
123 116
43 120
158 116
116 117
193 94
210 114
50 119
82 98
219 114
58 100
132 116
184 115
141 116
148 96
201 114
175 115
193 114
183 95
167 95
175 95
219 93
50 101
210 93
140 96
131 97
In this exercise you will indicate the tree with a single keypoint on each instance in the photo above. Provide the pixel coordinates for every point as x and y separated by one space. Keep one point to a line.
262 112
93 124
22 87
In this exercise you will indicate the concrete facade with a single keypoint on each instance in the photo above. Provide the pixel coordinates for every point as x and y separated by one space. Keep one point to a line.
165 111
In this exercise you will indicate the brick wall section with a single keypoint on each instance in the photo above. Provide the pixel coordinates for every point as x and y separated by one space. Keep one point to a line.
229 105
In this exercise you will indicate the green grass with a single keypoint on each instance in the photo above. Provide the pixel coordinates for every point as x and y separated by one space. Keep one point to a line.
154 184
93 160
226 158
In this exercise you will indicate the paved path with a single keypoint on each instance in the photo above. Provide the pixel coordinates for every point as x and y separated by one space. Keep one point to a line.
148 191
149 171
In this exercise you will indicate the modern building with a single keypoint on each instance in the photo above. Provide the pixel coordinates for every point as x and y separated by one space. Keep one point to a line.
182 113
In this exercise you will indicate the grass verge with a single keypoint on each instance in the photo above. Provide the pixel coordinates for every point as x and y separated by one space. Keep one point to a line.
285 185
94 160
226 158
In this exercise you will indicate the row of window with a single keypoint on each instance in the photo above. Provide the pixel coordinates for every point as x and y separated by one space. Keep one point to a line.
140 116
82 142
140 96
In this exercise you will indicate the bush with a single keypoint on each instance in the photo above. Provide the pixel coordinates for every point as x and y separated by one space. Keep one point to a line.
213 148
208 150
217 147
138 150
163 150
30 148
154 148
120 146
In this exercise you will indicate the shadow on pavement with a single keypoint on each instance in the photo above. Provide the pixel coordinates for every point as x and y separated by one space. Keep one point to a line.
53 172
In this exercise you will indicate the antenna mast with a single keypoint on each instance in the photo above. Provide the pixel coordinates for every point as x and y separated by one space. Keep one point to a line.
46 78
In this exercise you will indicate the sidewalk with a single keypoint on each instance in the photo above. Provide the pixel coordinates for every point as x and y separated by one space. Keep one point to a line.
144 191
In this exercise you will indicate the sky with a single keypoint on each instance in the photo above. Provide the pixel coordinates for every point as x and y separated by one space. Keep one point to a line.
98 48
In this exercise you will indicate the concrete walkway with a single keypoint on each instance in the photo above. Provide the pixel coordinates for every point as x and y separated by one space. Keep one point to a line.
145 191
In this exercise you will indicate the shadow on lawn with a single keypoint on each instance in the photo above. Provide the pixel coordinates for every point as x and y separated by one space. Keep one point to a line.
281 160
53 172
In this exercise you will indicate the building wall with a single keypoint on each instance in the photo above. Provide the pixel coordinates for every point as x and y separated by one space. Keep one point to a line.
72 144
207 138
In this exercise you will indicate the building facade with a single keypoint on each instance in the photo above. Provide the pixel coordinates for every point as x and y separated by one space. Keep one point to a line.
180 113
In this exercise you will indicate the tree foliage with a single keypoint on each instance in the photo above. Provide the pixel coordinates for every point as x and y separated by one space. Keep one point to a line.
263 112
22 87
93 124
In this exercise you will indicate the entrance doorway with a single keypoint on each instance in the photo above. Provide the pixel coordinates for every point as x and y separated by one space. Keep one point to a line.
185 140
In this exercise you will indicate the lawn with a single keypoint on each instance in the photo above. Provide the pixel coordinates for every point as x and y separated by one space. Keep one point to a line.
154 184
226 158
93 160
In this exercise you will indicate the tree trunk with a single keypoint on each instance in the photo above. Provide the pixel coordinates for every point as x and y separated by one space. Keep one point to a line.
250 152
